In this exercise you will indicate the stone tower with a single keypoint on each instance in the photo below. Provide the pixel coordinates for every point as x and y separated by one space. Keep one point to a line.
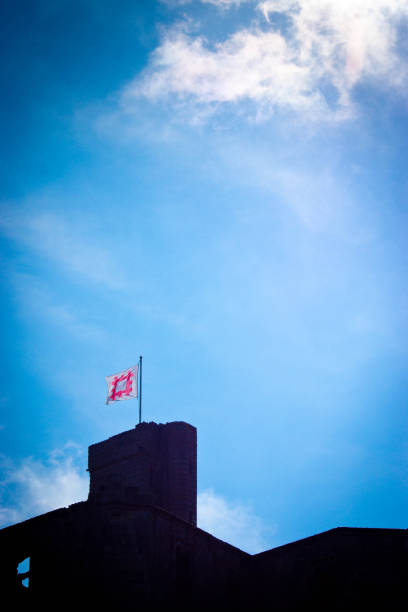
152 464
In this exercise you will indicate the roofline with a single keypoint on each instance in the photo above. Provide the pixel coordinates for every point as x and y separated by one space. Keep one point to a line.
344 530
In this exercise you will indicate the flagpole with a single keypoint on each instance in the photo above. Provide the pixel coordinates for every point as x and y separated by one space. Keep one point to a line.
140 389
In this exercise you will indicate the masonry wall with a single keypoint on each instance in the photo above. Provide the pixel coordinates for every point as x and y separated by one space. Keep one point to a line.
152 464
114 556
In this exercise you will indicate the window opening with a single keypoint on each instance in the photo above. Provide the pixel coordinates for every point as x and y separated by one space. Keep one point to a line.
23 572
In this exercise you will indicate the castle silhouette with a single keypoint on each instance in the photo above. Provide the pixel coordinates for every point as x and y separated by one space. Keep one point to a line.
135 545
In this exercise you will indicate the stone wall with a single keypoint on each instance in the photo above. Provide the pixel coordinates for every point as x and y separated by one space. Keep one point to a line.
153 464
92 556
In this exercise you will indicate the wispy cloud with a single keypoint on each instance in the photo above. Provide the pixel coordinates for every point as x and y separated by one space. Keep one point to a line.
34 298
33 487
232 522
224 4
302 55
70 245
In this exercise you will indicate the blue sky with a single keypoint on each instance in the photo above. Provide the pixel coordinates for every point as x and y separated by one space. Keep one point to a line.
220 186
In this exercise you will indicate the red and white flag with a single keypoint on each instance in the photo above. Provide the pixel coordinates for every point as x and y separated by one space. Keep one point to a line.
122 386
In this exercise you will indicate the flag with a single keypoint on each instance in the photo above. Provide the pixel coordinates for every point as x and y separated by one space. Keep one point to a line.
122 386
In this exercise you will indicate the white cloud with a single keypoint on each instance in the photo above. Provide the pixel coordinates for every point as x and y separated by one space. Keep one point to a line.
310 65
34 487
249 65
234 523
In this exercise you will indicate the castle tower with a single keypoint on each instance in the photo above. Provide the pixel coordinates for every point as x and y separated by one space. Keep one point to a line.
152 464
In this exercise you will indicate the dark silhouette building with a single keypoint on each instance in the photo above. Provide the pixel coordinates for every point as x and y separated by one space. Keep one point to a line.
134 545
